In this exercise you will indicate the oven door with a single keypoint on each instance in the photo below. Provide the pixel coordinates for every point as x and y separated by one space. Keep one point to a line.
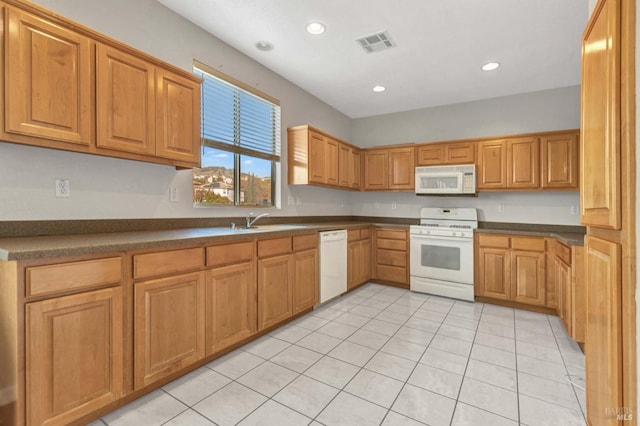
442 258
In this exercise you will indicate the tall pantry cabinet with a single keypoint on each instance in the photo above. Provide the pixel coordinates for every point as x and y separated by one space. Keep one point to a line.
607 199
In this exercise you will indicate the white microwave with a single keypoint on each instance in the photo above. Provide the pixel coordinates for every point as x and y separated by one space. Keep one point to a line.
444 180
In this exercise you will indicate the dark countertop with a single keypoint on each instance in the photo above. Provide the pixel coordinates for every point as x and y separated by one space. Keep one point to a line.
568 238
33 247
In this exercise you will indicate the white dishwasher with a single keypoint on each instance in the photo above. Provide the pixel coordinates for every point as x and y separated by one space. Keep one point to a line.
333 264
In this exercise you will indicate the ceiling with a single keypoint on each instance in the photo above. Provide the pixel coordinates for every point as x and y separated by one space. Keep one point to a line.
440 47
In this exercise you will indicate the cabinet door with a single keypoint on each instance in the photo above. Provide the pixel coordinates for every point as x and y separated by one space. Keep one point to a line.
563 282
559 162
376 175
125 99
231 307
527 277
430 155
305 280
345 166
168 326
492 165
603 344
460 153
332 161
274 291
48 81
494 273
177 118
365 260
353 264
600 119
402 168
74 355
317 158
523 163
356 167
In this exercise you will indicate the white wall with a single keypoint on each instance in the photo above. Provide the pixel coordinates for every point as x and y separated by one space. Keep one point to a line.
548 110
113 188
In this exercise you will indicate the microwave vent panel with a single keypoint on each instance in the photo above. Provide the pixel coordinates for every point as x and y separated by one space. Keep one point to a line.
376 42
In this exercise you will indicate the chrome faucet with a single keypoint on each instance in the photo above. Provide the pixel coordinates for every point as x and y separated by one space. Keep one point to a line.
251 220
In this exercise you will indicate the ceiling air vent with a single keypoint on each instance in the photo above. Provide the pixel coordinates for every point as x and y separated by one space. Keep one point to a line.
376 42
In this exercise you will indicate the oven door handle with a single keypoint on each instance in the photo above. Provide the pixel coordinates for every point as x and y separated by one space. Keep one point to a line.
438 237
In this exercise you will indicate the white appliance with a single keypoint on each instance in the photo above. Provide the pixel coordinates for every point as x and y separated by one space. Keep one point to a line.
443 180
333 264
441 257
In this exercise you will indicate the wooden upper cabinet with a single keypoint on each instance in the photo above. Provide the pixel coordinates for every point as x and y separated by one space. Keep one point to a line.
492 165
559 161
523 163
317 158
126 102
401 168
600 186
376 170
435 154
48 81
331 161
356 169
345 167
177 117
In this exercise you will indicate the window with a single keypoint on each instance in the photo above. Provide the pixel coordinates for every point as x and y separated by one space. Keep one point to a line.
240 144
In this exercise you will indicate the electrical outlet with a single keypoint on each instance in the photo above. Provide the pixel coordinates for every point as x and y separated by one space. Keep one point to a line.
394 205
502 207
376 205
298 200
173 195
574 209
63 187
290 200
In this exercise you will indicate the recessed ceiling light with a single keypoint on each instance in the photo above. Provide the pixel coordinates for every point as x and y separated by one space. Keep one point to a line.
490 66
316 28
379 88
265 46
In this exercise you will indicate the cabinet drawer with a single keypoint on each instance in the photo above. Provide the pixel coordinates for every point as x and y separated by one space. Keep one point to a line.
391 257
392 244
527 243
274 247
486 240
353 235
563 252
391 273
392 234
167 262
50 279
226 254
305 242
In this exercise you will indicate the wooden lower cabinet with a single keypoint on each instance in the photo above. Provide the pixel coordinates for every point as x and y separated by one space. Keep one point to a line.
274 290
230 306
74 355
603 345
494 273
511 268
392 255
562 276
359 259
169 326
305 280
528 277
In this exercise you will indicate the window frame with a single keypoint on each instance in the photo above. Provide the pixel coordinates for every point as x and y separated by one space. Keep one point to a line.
236 149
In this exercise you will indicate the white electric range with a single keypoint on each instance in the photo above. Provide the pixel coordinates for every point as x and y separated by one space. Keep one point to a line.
441 260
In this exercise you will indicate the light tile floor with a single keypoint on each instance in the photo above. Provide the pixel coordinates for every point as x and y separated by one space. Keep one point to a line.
382 355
